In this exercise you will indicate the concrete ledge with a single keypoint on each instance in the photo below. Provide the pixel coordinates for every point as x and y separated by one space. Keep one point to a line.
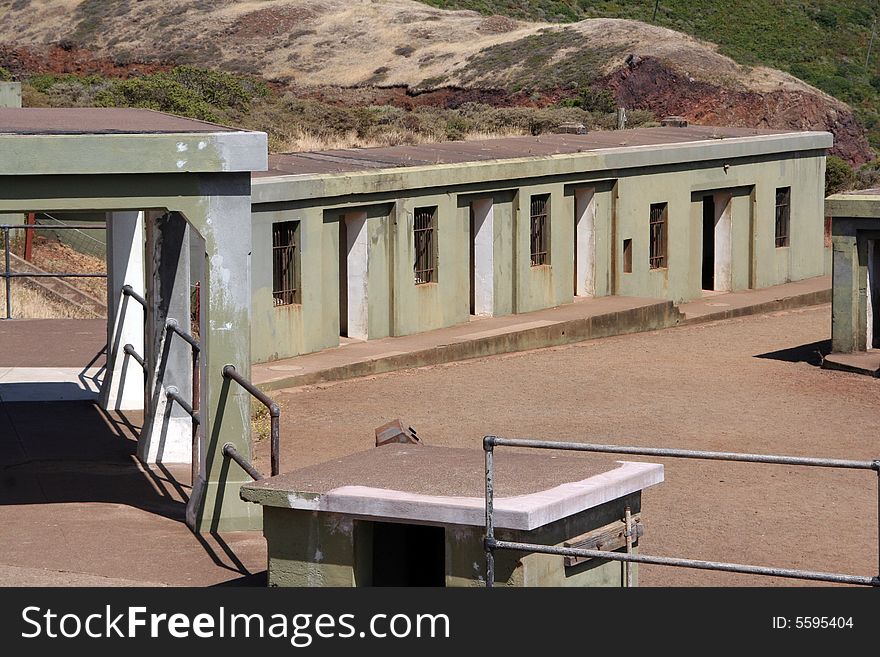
650 317
861 362
800 294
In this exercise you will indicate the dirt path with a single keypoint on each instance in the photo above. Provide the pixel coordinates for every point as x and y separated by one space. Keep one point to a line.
693 387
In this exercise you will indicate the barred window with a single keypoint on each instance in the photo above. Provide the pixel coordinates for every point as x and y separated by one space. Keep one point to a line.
285 263
783 215
659 231
425 243
540 230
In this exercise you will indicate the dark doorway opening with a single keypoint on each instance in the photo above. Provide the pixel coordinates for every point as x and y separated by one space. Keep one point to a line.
472 243
408 555
343 277
708 243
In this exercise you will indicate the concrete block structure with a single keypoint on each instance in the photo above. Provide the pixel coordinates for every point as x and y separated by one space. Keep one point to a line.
413 515
855 235
370 243
166 184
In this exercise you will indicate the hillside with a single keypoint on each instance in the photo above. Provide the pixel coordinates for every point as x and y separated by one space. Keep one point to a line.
824 42
404 44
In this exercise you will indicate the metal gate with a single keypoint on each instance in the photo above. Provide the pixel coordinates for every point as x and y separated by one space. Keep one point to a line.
491 543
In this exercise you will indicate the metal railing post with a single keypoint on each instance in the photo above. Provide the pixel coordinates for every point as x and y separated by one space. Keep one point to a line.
491 543
229 372
489 539
8 280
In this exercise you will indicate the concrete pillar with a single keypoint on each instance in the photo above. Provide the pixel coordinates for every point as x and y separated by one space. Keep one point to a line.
358 253
585 234
10 94
723 242
123 386
167 432
484 256
225 339
845 300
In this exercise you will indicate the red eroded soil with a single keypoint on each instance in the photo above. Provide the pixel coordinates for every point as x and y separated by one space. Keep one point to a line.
22 61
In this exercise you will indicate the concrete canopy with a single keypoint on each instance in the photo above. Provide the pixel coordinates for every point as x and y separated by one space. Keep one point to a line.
128 159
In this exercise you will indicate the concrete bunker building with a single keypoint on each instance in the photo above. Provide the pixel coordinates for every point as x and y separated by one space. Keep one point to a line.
370 243
386 242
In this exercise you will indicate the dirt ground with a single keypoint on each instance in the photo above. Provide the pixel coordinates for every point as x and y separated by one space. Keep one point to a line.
749 384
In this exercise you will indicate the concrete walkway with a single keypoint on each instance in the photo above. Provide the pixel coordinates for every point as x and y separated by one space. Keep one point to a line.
585 319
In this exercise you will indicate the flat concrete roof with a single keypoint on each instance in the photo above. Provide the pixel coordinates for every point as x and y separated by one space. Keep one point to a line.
85 141
329 174
445 485
98 121
854 204
455 152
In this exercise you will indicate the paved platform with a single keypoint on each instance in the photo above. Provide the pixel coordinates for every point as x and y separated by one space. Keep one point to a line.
78 509
583 320
809 292
860 362
401 482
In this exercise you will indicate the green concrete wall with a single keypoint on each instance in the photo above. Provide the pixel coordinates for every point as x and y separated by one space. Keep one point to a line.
849 245
622 200
307 548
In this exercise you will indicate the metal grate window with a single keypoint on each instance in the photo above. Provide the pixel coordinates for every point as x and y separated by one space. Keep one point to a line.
425 243
659 231
540 230
285 264
783 215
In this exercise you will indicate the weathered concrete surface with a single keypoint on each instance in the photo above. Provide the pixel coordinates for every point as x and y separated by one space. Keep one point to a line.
77 508
10 94
797 294
860 362
584 320
398 482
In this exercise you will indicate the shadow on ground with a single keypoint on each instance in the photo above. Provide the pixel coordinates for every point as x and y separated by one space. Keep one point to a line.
812 353
74 452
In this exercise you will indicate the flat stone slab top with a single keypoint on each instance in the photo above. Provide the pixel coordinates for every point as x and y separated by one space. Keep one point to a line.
444 485
454 152
99 121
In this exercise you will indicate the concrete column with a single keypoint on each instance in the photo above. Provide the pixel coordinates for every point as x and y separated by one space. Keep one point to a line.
723 242
358 252
224 224
123 386
845 302
585 234
167 433
484 256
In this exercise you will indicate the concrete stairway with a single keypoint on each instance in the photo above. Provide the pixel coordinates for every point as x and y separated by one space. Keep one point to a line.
57 288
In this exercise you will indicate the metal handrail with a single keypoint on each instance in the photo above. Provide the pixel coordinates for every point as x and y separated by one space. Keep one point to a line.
229 451
8 274
229 372
491 544
173 392
128 291
129 349
173 326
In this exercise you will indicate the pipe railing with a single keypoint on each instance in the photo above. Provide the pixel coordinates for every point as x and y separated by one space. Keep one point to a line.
128 291
491 544
8 274
230 452
172 327
129 349
229 372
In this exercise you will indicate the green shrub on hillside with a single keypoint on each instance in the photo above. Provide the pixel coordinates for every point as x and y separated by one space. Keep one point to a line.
5 75
839 175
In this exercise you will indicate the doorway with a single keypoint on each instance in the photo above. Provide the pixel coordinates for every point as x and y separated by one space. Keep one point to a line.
482 257
584 243
353 255
872 296
716 243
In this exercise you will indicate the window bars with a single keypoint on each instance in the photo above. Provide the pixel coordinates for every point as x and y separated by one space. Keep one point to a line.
425 243
659 231
285 264
540 235
783 215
